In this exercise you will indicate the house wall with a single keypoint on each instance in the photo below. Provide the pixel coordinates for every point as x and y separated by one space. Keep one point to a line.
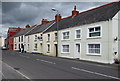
17 42
52 43
105 40
115 34
2 41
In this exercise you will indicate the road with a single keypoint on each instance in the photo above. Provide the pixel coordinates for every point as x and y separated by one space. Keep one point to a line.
29 66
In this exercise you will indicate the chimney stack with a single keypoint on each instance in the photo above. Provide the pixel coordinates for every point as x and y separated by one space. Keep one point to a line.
58 17
44 21
74 12
27 26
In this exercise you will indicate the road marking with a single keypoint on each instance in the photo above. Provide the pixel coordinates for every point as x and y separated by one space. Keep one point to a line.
18 72
95 73
24 56
37 59
48 62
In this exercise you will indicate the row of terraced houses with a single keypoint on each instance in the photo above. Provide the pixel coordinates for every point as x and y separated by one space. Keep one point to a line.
91 35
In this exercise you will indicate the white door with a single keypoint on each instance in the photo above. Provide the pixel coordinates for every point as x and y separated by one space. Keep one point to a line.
77 50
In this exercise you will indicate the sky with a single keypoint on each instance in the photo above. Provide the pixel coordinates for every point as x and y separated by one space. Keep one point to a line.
19 14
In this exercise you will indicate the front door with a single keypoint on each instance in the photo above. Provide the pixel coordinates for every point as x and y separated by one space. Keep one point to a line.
77 50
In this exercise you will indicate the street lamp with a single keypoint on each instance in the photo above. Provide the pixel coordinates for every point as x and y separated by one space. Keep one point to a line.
53 9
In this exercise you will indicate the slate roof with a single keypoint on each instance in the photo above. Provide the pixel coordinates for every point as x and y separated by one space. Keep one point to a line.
23 32
98 14
40 28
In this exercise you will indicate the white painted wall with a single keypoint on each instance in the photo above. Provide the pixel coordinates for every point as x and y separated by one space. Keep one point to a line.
105 40
52 43
2 41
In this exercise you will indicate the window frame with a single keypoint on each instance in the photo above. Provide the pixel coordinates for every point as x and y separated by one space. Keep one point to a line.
94 53
94 26
64 32
35 38
35 47
76 33
48 51
62 48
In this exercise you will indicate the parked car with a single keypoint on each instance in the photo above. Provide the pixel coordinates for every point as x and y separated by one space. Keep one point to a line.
3 48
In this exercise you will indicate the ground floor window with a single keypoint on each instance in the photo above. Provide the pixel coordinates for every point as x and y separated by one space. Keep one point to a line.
15 46
65 48
35 47
94 48
48 48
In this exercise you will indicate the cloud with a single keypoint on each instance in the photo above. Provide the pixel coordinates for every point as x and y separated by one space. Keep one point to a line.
19 14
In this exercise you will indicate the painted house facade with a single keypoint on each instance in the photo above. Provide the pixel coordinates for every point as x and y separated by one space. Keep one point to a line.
91 35
20 39
36 38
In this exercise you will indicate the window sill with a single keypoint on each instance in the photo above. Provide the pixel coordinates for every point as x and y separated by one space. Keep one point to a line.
65 39
91 54
65 52
94 37
48 51
77 38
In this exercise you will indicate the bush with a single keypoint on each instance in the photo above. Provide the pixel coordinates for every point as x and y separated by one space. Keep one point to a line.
117 61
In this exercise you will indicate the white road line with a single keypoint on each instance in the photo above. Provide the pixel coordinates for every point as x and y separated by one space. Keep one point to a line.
18 72
37 59
95 73
48 62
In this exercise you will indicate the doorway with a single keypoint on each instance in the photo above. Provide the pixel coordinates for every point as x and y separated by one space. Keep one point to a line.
77 50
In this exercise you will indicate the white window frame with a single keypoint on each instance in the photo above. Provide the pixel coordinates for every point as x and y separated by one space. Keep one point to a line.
48 37
62 48
62 34
35 38
35 49
80 33
47 48
94 26
94 53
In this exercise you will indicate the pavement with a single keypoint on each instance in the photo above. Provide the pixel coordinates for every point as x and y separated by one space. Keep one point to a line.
31 66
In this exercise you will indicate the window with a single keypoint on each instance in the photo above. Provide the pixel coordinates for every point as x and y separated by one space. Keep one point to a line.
28 46
21 38
15 46
28 38
35 46
48 48
65 48
15 40
65 35
94 48
35 38
48 37
94 32
78 34
55 36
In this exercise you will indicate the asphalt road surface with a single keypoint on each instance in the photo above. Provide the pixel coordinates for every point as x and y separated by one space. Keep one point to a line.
29 66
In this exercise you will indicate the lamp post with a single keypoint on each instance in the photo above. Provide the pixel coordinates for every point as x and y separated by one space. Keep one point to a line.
53 9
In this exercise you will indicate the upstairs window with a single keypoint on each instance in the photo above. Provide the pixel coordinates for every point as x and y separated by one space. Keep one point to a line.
35 38
21 38
65 35
94 31
48 37
78 34
28 39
